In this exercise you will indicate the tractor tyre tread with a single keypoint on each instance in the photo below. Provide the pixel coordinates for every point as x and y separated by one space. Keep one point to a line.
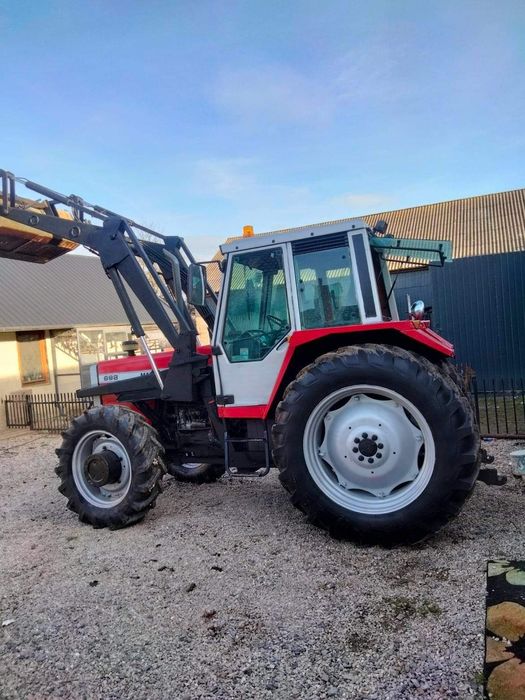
458 462
147 465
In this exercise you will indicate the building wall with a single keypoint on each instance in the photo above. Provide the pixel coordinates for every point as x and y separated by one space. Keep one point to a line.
478 304
9 374
10 381
417 285
63 359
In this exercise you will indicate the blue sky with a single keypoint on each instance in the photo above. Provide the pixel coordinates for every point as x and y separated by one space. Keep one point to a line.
198 117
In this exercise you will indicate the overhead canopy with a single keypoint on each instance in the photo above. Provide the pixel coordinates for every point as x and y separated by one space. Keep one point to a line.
411 251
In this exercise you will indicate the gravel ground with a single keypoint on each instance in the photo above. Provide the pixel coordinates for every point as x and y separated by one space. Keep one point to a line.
226 592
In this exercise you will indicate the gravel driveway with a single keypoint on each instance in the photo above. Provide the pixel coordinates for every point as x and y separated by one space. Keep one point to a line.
226 592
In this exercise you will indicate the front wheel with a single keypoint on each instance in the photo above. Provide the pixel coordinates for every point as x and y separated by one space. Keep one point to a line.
375 444
110 466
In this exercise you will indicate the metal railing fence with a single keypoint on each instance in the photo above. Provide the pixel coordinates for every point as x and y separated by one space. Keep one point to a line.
52 412
499 406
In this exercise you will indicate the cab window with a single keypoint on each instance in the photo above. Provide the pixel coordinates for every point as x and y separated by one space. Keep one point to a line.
325 288
257 315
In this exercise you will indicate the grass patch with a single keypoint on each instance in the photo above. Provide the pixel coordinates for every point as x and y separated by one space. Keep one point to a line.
409 607
500 413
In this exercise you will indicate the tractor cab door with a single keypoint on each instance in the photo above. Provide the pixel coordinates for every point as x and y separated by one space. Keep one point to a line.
254 323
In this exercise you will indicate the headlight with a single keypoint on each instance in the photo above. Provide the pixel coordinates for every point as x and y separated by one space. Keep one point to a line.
417 310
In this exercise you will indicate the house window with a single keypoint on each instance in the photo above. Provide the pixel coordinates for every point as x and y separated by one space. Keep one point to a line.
91 346
155 339
32 357
114 341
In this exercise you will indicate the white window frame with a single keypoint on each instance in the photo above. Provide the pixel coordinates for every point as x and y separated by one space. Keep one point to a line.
222 302
387 278
358 275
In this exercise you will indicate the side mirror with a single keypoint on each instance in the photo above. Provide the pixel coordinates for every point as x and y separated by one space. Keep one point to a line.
196 284
381 227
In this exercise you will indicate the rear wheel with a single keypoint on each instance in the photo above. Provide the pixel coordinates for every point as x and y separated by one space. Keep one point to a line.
375 444
194 472
110 467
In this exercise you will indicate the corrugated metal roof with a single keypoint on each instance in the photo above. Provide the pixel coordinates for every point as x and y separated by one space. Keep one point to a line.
70 291
481 225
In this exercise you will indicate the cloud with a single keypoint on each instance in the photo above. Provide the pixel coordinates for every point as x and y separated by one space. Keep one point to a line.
273 93
227 178
373 72
377 72
228 193
238 180
248 198
222 195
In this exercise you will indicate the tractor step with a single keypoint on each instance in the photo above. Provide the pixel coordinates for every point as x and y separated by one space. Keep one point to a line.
232 470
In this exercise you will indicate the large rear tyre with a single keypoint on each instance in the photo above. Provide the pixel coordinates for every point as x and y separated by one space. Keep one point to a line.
110 467
376 444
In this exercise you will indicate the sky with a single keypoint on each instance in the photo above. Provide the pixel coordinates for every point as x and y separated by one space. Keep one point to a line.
197 117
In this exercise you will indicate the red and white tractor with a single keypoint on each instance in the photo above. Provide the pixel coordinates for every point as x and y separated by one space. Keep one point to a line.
310 370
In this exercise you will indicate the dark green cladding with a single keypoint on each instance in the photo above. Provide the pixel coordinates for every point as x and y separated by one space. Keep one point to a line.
478 304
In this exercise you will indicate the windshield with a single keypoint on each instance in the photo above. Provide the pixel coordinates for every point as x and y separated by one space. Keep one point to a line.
257 315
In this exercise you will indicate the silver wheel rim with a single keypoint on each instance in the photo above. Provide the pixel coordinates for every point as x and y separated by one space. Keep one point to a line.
111 494
377 474
192 466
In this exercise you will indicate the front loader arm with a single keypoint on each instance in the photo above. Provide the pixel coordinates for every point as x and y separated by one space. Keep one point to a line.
38 234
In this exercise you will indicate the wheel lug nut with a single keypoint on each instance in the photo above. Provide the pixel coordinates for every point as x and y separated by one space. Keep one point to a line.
361 458
379 455
355 449
365 435
380 445
374 437
357 440
370 460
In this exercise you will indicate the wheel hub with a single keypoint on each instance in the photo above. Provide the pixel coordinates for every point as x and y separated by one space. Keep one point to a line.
367 447
369 444
103 468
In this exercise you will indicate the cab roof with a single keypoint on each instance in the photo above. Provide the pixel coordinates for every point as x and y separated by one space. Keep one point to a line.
296 234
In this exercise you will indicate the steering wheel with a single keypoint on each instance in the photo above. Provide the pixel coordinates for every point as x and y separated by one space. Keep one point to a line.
256 333
278 324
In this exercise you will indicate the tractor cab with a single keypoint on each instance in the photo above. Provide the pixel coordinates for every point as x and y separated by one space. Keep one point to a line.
309 278
335 276
313 278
